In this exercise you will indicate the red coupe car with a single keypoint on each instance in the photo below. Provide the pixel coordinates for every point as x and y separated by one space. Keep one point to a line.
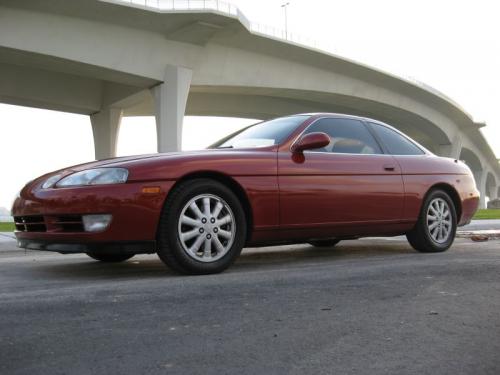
315 178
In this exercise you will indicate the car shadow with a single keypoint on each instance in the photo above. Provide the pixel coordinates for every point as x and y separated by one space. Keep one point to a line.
346 250
149 266
79 268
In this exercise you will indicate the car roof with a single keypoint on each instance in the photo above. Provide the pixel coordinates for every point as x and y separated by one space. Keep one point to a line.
344 115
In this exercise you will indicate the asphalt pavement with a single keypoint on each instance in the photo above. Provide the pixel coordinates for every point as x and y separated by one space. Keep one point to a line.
371 306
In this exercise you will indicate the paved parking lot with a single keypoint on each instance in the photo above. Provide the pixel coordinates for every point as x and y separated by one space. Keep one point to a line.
365 307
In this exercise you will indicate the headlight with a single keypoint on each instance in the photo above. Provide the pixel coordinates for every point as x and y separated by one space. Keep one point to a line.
98 176
51 181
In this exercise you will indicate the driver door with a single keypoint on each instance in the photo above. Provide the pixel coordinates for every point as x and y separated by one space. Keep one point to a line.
346 187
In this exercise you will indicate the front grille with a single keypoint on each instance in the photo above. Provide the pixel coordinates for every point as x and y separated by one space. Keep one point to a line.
30 223
68 223
39 223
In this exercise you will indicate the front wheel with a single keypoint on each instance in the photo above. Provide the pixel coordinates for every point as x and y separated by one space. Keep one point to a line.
435 229
202 228
110 258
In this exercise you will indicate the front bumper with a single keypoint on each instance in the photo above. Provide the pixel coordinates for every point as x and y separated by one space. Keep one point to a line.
50 217
144 247
470 206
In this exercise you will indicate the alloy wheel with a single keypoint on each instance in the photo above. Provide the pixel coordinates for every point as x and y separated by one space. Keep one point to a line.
439 220
206 228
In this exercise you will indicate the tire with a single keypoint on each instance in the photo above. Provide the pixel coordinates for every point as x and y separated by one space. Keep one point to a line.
194 241
426 237
324 243
110 258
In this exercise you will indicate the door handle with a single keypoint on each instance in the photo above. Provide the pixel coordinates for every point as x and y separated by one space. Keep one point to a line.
389 167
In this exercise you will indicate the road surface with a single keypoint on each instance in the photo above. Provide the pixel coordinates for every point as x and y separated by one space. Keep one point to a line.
372 306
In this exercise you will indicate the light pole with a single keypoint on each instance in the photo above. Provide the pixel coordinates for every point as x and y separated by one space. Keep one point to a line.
284 6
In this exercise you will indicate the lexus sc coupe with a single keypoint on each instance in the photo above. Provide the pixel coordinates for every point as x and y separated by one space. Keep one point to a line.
311 178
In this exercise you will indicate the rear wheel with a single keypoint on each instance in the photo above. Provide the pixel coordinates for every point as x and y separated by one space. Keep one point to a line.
202 228
324 243
110 258
436 226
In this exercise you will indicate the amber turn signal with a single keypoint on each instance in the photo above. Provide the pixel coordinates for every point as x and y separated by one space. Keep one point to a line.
151 189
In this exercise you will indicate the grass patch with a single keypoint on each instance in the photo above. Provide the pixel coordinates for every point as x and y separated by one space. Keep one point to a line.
9 227
487 214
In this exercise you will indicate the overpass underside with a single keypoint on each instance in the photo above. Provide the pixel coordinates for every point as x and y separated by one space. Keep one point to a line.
30 80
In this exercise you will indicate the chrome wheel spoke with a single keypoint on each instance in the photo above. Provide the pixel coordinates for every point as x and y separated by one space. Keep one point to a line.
186 236
207 251
196 245
218 208
225 220
190 221
225 234
433 225
436 205
206 206
196 210
218 244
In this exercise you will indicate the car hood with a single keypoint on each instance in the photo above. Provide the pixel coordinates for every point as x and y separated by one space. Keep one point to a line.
110 162
172 165
131 161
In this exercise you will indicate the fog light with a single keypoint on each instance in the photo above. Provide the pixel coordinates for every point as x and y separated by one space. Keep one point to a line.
96 223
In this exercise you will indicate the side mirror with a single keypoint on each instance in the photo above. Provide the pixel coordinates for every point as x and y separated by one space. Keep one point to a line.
310 141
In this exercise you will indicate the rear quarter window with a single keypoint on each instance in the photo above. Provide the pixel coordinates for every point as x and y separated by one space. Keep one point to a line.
395 143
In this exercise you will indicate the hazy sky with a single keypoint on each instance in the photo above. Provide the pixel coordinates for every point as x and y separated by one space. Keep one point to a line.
453 46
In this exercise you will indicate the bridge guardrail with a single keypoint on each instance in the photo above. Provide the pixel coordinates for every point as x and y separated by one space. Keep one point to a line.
225 8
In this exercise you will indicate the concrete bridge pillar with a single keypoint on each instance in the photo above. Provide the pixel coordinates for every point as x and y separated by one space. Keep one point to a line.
105 127
170 99
494 192
452 150
481 185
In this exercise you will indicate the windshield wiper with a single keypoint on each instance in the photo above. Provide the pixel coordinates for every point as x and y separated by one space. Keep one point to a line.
225 147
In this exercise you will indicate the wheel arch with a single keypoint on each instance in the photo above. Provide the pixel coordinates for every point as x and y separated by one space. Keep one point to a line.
227 181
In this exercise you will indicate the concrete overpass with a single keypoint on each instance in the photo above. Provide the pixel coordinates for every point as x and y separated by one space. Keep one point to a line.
109 59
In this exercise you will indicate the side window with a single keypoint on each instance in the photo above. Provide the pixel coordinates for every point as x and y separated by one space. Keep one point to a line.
347 136
396 144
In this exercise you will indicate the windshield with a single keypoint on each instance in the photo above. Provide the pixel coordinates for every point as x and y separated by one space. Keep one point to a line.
267 133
